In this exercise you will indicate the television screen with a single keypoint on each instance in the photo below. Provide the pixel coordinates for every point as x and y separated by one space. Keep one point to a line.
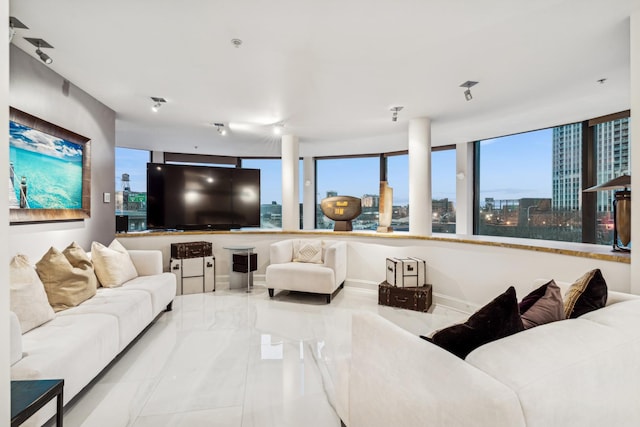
186 197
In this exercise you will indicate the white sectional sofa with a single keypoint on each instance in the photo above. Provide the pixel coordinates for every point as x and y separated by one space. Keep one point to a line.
577 372
325 275
81 341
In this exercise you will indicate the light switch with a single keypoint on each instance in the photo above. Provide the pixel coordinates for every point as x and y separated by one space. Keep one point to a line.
106 197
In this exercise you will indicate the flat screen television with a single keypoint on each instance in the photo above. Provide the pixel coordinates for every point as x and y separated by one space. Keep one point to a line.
186 197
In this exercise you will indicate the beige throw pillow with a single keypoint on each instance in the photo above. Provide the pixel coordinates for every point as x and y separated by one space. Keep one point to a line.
113 264
308 251
28 300
67 276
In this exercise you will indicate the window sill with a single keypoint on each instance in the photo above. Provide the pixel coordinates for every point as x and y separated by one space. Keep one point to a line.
584 250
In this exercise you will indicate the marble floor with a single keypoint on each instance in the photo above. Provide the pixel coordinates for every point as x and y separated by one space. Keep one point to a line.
237 359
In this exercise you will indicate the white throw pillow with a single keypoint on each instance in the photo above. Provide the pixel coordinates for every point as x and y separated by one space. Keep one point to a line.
27 295
112 264
308 251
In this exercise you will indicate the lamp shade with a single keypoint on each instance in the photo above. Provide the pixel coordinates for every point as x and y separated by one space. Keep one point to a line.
623 181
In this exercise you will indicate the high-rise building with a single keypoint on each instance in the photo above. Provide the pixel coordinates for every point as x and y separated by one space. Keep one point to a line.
567 167
612 160
612 156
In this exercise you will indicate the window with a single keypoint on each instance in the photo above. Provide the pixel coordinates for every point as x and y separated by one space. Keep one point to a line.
350 176
398 179
530 185
443 191
131 186
270 190
611 142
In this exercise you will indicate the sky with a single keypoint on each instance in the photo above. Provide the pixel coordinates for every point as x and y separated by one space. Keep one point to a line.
512 167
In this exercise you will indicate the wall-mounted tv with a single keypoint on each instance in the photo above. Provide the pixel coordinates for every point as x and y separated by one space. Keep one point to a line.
186 197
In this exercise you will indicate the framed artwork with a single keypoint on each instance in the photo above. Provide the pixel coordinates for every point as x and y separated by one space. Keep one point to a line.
49 171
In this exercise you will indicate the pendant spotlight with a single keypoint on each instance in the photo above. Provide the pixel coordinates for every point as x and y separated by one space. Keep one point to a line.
467 93
157 103
220 128
394 111
41 44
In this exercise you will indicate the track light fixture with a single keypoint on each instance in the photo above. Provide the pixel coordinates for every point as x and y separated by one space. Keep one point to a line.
157 103
41 44
220 128
13 24
467 93
394 115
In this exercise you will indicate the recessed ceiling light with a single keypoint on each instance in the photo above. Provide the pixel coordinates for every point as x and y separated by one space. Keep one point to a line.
602 81
236 42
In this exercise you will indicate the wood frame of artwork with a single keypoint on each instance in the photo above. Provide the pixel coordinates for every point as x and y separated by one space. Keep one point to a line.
21 215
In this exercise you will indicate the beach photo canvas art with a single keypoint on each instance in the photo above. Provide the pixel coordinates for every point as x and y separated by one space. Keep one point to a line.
48 169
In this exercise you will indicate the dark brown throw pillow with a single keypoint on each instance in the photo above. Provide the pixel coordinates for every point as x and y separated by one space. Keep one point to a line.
544 305
588 293
498 319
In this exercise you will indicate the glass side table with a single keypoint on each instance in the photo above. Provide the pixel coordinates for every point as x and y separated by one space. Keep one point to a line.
29 396
250 266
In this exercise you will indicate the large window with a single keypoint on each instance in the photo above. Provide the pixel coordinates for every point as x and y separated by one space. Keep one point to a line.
398 179
443 191
131 186
531 184
352 176
270 190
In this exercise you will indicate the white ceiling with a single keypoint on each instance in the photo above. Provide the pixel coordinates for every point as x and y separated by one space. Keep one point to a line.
331 70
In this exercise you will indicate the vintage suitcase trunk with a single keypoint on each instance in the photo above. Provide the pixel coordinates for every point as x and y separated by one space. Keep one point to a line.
418 298
191 250
408 271
240 262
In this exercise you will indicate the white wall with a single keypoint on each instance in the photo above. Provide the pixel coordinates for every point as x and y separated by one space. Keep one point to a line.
4 224
463 275
37 90
635 142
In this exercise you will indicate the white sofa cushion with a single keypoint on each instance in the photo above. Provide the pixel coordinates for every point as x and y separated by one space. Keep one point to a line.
575 372
161 287
132 308
113 264
74 347
304 277
28 299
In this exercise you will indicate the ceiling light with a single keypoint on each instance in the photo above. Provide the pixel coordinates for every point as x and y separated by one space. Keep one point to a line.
41 44
467 93
394 116
277 128
236 42
13 24
220 128
157 103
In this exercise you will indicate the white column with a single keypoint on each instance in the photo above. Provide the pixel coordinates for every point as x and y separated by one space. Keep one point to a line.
635 159
157 157
420 176
4 222
464 188
309 196
290 183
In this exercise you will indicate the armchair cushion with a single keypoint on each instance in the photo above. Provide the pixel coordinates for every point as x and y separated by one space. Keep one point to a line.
308 251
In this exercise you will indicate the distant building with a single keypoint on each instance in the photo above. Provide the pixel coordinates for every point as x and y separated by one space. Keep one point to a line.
371 201
612 154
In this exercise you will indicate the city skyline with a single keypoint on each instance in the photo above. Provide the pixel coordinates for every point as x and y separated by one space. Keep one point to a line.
513 167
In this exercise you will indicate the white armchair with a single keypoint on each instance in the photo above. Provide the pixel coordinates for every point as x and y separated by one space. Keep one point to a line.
322 273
